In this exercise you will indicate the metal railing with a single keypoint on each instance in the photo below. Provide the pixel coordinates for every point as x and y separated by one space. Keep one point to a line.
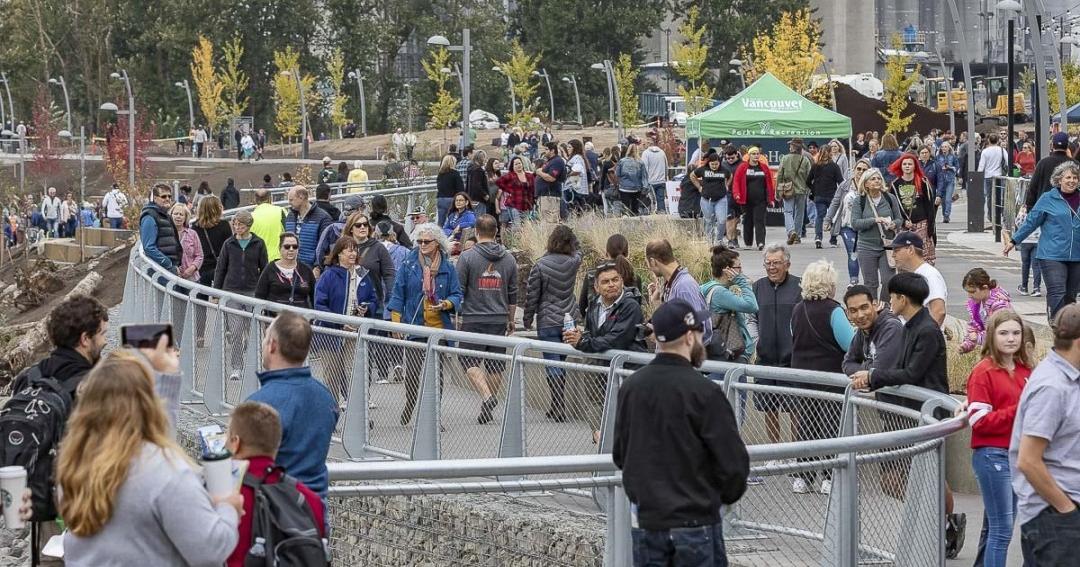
885 462
1007 195
371 186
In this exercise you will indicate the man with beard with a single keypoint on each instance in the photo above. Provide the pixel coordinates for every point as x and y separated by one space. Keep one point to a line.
678 446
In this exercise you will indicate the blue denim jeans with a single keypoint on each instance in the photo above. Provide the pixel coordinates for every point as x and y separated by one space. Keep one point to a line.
52 225
851 238
991 466
701 546
116 223
819 208
947 190
1062 281
556 377
1050 538
443 204
795 215
660 190
1028 264
714 214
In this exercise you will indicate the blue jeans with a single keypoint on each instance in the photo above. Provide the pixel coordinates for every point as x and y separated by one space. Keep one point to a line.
851 238
52 225
556 377
480 209
991 466
660 190
715 215
795 214
442 205
1050 538
948 187
116 222
701 546
819 208
988 191
1062 281
1027 255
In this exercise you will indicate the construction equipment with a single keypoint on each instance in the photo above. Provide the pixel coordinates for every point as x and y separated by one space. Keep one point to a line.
991 100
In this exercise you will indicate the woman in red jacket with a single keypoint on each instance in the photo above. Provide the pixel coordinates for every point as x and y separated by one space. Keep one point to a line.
754 189
994 389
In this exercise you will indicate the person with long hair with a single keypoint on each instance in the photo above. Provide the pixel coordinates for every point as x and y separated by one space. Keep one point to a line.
838 216
985 297
460 217
948 165
993 388
825 178
447 184
912 188
883 158
517 189
191 254
129 493
286 280
754 189
576 186
476 184
617 250
633 181
875 217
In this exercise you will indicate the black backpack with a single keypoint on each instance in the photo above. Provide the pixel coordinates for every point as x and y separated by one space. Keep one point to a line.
283 521
31 425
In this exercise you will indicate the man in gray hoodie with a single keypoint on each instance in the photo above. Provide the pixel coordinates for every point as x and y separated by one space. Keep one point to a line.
656 169
488 276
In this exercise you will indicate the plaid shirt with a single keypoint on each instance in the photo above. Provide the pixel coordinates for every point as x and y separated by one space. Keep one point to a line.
463 170
518 195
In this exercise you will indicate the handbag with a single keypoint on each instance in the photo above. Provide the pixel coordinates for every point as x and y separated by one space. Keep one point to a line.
786 189
727 341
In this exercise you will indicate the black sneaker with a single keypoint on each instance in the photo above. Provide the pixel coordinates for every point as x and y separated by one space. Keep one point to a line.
817 244
955 531
485 410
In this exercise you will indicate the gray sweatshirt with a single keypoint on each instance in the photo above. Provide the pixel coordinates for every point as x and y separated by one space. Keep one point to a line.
655 164
488 276
162 516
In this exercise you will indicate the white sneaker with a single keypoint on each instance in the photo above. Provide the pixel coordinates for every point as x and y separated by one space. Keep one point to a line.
234 377
799 486
826 487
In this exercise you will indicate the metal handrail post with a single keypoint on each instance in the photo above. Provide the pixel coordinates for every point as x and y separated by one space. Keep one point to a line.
426 443
354 435
187 351
617 545
249 381
843 531
512 438
611 398
213 388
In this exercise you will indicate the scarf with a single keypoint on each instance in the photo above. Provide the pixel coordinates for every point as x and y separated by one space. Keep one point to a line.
430 267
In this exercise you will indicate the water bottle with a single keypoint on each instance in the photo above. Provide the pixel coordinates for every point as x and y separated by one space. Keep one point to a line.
567 322
258 549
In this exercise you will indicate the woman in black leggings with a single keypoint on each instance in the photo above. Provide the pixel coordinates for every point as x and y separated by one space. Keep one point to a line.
754 190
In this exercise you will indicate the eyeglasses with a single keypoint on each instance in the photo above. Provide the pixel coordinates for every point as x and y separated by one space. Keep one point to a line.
424 241
167 196
774 263
290 246
361 225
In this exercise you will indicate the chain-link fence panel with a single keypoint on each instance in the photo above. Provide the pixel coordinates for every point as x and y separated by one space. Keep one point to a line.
474 398
564 405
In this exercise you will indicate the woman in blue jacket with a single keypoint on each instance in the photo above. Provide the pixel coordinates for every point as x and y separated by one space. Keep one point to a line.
947 165
460 217
345 288
1058 252
426 293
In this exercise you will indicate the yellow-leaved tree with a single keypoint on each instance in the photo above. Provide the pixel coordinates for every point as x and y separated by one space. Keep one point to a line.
520 68
446 107
689 59
897 83
335 75
791 51
234 81
625 79
287 113
208 85
1070 72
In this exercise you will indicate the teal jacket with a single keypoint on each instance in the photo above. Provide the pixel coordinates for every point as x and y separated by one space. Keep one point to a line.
724 300
1060 237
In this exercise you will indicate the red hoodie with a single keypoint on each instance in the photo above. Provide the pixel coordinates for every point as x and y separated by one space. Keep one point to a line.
738 184
257 467
992 399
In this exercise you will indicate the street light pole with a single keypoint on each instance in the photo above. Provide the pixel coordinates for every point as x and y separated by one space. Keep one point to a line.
948 89
190 108
466 62
131 126
1042 129
615 93
610 97
551 97
363 106
970 114
577 97
67 101
510 85
11 105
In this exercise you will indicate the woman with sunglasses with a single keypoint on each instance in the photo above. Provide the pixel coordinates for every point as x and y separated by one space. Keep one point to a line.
838 217
286 280
460 217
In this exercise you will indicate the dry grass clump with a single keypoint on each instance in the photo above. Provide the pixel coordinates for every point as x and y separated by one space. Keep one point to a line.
593 230
960 365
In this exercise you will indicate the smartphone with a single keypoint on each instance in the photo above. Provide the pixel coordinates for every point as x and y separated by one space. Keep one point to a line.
145 335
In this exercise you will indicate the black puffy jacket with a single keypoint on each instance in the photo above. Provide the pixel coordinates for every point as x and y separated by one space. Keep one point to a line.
238 269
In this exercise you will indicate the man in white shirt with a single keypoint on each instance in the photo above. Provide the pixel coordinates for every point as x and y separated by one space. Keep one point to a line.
907 250
50 209
114 203
992 163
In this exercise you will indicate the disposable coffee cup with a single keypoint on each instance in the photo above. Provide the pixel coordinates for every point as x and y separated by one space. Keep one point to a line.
12 485
217 469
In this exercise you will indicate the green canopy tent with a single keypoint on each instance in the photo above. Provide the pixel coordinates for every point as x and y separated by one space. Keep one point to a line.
768 109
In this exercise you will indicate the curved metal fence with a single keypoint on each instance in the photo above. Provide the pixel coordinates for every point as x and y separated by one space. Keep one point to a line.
884 462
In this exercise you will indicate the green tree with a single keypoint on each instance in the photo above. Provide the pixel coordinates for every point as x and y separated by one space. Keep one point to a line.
335 76
626 74
287 96
790 50
897 83
208 85
519 68
690 59
234 80
445 109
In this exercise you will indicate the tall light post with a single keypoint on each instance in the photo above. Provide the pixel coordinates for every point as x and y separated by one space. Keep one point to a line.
737 70
667 60
466 49
11 105
67 101
363 106
1042 129
1011 8
295 73
970 114
455 72
510 85
577 97
948 88
130 112
610 97
190 108
614 104
551 97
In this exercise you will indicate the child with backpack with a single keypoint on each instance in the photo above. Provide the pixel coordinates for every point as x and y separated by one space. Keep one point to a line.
272 511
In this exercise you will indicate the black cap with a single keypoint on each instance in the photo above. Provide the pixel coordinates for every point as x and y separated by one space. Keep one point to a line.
674 319
906 239
1060 141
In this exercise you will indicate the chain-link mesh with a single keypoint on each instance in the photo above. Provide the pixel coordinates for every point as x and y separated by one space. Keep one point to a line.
473 395
564 405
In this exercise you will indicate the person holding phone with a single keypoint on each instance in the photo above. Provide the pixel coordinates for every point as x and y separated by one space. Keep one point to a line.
346 288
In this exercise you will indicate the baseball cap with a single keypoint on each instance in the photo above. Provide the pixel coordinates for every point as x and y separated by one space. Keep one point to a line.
1060 141
417 212
326 159
674 319
354 203
906 238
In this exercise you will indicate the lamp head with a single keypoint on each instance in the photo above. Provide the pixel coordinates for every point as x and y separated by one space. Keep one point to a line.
567 79
438 40
735 63
496 68
597 66
179 84
1008 6
114 75
352 75
286 73
54 82
64 134
445 70
109 107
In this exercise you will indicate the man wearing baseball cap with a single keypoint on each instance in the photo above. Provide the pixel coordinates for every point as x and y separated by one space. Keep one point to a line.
328 173
1040 179
678 446
907 251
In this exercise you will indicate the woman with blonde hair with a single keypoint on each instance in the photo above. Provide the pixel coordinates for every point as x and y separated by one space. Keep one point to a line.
191 254
821 335
875 216
838 217
129 494
447 184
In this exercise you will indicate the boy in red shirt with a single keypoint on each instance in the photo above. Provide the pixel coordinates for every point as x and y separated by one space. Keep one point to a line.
254 435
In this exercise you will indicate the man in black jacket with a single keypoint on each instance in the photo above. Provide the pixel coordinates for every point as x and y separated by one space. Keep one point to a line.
1040 178
678 446
776 293
322 200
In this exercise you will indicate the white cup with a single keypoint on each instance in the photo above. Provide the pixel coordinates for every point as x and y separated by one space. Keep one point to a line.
218 473
12 485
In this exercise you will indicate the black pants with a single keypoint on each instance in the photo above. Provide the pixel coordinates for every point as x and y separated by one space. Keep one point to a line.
754 220
414 371
631 201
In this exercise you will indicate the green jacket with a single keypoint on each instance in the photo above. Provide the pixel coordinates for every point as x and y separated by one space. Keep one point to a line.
796 169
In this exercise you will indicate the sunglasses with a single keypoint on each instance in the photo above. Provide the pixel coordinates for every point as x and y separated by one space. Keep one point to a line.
290 246
424 241
165 196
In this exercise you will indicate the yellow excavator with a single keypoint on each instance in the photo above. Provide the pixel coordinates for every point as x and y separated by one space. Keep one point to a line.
991 99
